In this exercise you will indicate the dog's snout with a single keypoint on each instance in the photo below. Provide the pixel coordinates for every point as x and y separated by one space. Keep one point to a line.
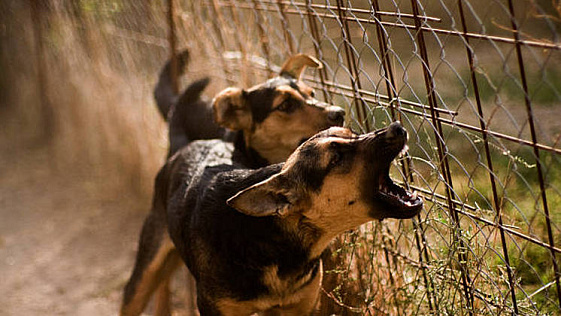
396 130
336 115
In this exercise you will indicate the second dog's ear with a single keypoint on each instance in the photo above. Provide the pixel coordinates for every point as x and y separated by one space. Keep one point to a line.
270 197
296 64
231 109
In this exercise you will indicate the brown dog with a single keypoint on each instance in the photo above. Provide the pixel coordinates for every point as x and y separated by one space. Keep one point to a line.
271 119
253 237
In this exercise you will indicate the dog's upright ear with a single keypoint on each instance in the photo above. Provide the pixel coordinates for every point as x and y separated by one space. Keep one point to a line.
296 64
231 109
274 196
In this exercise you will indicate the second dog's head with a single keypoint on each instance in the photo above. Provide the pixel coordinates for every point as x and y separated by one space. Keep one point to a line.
278 115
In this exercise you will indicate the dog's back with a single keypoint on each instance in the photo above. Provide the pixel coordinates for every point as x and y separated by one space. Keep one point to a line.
157 257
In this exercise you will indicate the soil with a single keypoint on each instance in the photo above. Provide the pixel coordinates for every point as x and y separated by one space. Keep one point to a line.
68 236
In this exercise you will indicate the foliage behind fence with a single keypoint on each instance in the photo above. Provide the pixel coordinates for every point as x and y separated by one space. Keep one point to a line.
476 83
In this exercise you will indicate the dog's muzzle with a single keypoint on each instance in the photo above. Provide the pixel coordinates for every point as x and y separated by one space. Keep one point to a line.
395 200
336 115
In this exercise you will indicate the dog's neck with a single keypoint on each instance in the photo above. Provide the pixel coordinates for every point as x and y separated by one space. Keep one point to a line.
302 266
304 233
246 154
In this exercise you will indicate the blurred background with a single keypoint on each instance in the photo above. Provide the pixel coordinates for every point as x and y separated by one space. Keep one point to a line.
476 83
80 142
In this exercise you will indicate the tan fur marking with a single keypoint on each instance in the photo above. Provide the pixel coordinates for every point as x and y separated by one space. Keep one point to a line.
229 307
230 110
301 302
149 280
322 143
285 92
163 295
307 90
336 193
281 287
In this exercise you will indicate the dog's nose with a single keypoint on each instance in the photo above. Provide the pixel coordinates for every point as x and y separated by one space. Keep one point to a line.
336 115
396 130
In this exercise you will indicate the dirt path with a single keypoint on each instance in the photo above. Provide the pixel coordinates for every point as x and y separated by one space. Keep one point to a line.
67 238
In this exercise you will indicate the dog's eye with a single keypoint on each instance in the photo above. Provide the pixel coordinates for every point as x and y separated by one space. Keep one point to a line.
341 154
336 154
286 106
335 158
313 94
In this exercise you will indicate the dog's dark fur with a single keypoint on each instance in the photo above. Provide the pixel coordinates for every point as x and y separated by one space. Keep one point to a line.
247 117
253 238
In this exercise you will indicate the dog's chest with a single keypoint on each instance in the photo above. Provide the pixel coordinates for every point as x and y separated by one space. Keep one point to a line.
284 292
286 286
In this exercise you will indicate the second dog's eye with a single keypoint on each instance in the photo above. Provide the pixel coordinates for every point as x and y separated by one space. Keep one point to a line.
336 154
286 106
313 94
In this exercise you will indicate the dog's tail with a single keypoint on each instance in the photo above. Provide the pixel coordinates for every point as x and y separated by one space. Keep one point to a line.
193 91
163 93
190 118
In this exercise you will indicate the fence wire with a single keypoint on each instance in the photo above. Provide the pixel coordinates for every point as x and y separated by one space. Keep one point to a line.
477 83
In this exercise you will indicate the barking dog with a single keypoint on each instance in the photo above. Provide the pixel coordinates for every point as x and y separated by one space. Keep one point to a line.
271 118
253 238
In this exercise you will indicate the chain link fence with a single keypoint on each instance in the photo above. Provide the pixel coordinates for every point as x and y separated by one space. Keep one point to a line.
477 83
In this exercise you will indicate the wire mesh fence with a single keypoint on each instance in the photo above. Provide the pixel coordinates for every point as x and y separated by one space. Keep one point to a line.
477 83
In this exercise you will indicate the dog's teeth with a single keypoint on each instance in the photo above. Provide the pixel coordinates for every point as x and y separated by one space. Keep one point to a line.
404 150
383 188
414 195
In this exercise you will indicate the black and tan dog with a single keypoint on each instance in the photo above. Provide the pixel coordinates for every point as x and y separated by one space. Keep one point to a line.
253 237
271 119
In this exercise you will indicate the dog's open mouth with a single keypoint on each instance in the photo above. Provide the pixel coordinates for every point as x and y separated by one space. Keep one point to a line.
400 202
398 194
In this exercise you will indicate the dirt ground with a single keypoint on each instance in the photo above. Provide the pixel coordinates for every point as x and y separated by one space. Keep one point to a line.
66 248
67 236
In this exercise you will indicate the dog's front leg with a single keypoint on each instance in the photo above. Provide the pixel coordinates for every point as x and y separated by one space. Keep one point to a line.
156 260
